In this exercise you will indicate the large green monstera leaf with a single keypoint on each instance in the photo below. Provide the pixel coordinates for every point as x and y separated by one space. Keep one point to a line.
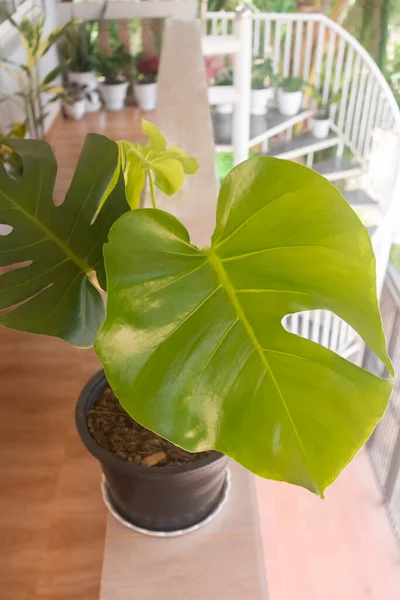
56 248
193 344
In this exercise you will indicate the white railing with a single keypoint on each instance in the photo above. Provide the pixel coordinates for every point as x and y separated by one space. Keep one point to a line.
366 122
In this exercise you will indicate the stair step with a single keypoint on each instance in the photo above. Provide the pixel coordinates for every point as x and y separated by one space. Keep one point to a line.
337 168
262 127
265 127
366 207
302 145
359 198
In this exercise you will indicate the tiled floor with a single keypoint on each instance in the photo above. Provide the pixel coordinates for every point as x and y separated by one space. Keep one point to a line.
52 535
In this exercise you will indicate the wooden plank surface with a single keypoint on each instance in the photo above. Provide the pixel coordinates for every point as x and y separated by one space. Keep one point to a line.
52 518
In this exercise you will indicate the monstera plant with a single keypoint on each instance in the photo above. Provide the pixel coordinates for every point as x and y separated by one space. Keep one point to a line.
193 344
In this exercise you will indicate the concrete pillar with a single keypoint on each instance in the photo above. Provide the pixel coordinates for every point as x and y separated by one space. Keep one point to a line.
184 116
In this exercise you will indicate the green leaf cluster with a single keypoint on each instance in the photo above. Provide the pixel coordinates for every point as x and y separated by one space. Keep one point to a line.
193 343
54 270
165 168
30 85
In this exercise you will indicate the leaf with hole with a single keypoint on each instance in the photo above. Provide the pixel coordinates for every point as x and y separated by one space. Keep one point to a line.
53 253
193 343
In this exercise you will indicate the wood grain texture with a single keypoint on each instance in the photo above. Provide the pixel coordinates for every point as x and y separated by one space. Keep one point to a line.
52 519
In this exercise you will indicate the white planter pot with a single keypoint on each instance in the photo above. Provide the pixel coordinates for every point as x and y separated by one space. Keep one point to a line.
89 80
320 128
259 100
221 94
289 103
76 110
224 109
114 95
146 95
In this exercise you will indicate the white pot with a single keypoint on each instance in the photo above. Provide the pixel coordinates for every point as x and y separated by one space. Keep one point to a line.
221 94
320 128
114 95
224 109
259 100
289 103
146 95
89 80
76 110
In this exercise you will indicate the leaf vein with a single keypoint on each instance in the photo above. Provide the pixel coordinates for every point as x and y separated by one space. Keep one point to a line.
231 294
265 250
49 234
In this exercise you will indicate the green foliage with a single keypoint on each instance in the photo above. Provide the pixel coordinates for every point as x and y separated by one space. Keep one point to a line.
223 164
262 74
7 156
292 84
113 66
53 255
31 87
164 168
79 46
56 250
395 256
193 343
323 107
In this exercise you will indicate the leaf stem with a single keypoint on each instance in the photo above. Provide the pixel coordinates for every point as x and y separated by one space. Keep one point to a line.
152 193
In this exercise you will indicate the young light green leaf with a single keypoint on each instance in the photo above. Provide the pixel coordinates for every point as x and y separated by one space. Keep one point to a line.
193 343
157 141
168 167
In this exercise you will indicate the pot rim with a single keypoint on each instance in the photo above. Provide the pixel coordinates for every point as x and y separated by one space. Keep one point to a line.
137 84
94 386
102 82
82 72
281 89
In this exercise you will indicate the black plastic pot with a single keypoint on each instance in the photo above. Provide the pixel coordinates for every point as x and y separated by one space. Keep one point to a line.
154 498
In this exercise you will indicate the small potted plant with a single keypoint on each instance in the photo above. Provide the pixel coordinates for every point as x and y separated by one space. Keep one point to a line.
192 344
146 81
321 121
262 78
74 101
290 95
78 48
223 82
114 83
34 92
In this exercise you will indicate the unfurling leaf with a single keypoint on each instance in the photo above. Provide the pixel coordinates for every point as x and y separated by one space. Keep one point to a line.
168 166
53 251
193 343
